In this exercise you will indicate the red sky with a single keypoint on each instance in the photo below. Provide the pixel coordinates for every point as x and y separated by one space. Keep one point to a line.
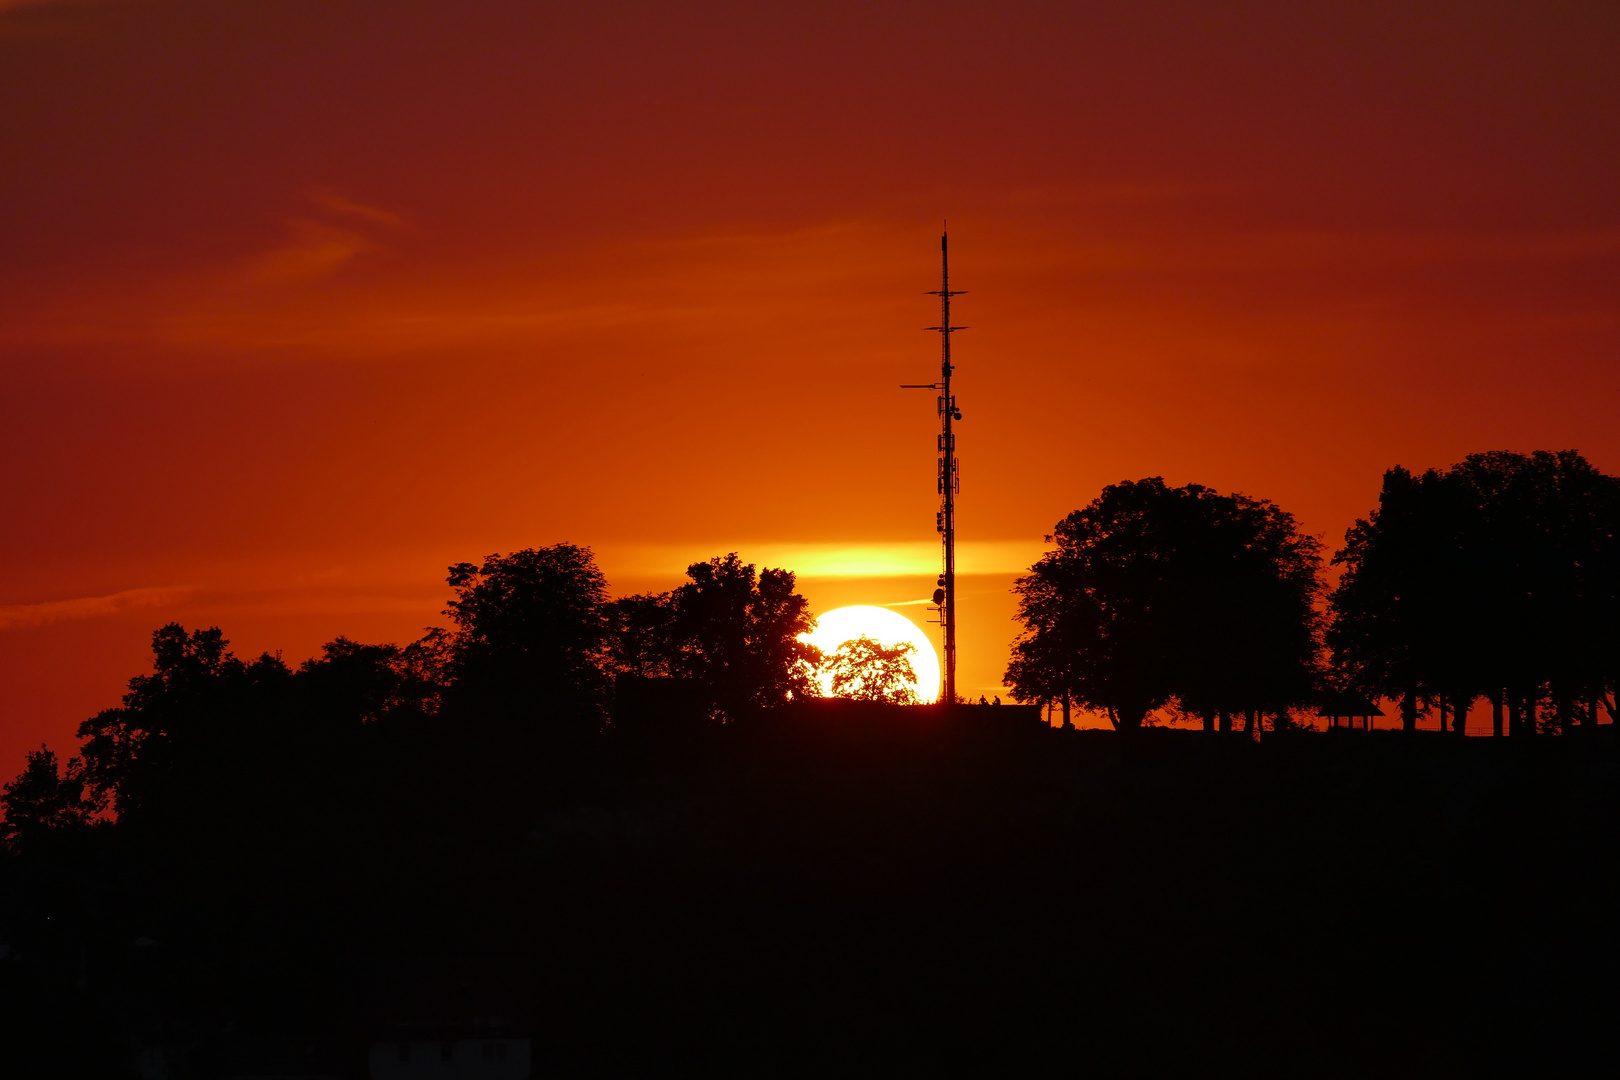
302 301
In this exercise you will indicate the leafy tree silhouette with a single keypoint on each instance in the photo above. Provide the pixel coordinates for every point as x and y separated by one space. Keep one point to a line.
258 744
1544 548
202 708
370 683
864 669
529 640
1398 606
732 630
641 635
45 801
1157 593
1495 578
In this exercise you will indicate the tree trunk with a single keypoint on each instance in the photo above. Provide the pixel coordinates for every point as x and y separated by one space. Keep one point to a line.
1496 714
1589 713
1566 712
1226 721
1441 727
1209 720
1124 721
1459 713
1068 725
1409 711
1248 723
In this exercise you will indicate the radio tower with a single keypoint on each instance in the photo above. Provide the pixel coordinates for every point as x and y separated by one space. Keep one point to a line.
950 484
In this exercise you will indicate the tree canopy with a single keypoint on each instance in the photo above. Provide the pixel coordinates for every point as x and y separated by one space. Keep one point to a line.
1498 576
864 669
1155 593
529 640
44 800
197 723
733 631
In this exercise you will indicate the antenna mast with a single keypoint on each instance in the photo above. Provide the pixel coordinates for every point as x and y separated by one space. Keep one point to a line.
949 481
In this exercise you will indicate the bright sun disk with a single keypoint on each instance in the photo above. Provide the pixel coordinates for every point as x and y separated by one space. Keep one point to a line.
885 627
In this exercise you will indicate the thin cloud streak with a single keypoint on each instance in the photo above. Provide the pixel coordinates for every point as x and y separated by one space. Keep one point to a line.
315 250
90 607
331 200
737 278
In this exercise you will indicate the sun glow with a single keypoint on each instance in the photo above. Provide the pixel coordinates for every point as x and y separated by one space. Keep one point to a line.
886 627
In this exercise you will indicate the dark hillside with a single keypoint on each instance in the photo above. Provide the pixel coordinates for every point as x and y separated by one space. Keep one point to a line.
860 887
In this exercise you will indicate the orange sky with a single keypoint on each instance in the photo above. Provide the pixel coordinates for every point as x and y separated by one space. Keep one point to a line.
301 301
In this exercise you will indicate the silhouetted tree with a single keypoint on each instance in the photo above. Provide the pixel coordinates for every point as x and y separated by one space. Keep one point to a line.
45 801
733 631
1073 645
641 635
1248 637
1390 605
352 682
529 641
1495 577
1045 666
195 726
864 669
1547 529
1157 593
738 634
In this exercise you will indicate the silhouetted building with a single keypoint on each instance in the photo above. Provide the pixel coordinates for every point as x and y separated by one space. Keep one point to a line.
1349 706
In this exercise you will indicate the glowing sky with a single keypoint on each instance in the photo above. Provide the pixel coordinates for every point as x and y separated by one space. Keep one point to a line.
302 300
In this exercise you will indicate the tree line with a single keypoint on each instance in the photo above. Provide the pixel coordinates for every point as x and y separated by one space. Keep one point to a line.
535 661
1495 579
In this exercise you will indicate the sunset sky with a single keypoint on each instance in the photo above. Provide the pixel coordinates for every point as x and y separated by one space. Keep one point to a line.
302 301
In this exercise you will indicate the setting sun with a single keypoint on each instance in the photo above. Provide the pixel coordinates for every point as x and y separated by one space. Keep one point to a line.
886 627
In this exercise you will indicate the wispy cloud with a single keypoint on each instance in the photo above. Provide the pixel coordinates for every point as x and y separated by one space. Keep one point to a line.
315 249
330 200
747 283
90 607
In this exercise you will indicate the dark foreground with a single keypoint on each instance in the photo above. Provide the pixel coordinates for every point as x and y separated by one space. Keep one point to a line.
849 893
